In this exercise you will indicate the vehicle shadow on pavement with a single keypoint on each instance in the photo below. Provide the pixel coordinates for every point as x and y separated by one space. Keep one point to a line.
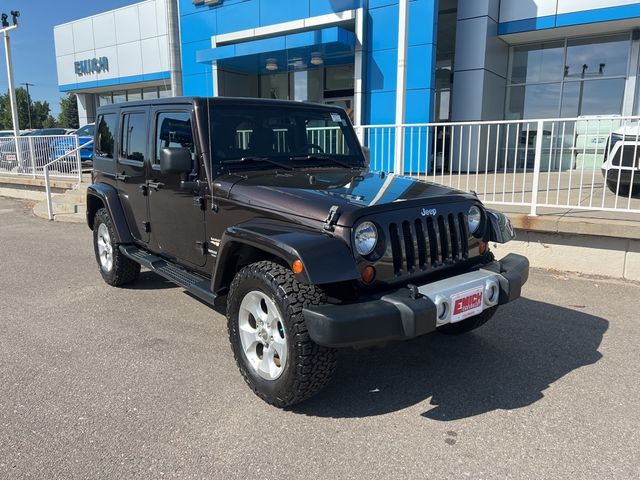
506 364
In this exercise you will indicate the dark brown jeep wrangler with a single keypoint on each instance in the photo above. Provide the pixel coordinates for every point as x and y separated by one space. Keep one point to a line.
269 208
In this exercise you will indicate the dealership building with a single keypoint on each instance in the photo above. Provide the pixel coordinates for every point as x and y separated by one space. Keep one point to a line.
466 60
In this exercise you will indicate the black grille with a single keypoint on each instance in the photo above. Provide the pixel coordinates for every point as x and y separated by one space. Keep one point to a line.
428 243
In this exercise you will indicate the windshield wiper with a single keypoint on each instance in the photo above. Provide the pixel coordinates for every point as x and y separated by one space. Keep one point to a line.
261 159
327 158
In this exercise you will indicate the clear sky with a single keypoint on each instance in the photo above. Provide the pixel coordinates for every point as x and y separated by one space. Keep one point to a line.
34 58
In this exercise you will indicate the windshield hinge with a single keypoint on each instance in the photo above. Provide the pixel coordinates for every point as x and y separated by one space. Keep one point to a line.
332 218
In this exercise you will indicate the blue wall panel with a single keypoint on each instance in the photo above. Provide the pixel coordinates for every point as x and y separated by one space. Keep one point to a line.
382 26
199 26
238 16
199 84
278 11
322 7
189 64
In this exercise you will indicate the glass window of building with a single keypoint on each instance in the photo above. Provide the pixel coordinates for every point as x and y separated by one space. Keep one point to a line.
275 85
339 77
120 96
569 78
150 93
133 95
164 92
105 98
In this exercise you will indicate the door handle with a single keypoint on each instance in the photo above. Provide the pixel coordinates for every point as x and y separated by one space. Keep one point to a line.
155 185
122 176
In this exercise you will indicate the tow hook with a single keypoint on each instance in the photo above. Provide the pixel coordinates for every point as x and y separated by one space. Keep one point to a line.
414 293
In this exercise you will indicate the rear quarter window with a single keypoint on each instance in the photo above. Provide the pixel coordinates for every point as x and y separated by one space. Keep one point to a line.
105 135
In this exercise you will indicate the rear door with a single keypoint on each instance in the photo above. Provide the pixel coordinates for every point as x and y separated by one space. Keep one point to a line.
176 211
133 156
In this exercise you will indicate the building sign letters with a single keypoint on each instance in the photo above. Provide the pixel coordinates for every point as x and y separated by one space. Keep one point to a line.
93 65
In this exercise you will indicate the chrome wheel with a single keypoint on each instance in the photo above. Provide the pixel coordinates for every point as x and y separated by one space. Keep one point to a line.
262 335
105 248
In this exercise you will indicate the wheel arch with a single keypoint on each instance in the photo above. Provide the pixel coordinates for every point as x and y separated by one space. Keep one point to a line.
100 195
325 259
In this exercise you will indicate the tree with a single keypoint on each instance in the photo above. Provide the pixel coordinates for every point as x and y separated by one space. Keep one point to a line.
68 117
40 112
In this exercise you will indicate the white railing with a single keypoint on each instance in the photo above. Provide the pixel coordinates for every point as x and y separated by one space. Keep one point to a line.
63 158
586 163
330 139
27 156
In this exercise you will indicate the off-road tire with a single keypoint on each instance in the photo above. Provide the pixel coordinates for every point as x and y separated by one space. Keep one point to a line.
309 366
468 324
124 269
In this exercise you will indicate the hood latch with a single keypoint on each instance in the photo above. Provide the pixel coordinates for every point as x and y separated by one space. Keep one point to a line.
332 218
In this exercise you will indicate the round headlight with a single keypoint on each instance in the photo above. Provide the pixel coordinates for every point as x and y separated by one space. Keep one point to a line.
366 238
474 219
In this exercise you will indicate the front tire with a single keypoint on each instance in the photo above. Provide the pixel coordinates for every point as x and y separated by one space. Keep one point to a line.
116 269
269 337
468 324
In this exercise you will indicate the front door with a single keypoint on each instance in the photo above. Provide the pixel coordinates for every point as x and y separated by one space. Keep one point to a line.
176 210
133 152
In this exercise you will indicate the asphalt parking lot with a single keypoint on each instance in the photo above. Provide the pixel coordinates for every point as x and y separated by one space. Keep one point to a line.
97 382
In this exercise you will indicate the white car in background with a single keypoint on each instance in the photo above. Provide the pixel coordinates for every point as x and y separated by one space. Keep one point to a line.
621 167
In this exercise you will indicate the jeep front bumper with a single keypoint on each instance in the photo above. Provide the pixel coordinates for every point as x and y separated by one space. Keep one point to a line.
403 314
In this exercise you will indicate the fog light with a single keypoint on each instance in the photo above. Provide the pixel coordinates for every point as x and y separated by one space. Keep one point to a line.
297 266
368 274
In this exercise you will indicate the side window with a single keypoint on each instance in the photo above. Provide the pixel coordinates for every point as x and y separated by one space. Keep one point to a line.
134 136
173 130
104 139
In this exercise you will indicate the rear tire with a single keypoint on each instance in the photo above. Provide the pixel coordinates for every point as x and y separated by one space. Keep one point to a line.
269 337
468 324
116 269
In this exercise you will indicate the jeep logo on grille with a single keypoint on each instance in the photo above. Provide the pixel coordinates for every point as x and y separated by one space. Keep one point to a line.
429 212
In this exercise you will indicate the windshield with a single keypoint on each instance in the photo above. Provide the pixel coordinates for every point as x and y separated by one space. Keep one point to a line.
291 136
86 131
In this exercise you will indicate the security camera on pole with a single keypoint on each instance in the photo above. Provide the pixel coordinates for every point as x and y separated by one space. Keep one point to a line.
6 28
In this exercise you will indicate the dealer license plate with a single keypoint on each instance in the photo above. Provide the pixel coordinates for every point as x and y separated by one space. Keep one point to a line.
467 304
10 157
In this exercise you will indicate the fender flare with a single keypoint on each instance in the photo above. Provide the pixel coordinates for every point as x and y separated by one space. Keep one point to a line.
108 196
326 259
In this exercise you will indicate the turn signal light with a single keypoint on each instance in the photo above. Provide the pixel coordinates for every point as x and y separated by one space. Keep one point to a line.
297 266
483 247
368 274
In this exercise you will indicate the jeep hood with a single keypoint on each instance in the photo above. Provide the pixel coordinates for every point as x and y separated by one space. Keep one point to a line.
312 193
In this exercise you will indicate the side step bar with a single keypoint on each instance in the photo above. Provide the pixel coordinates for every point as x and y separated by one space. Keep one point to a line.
193 283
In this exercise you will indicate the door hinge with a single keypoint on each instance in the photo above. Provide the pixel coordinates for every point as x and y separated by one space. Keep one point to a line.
202 248
146 226
199 202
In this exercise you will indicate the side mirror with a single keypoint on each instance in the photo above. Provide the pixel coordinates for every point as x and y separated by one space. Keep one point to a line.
175 160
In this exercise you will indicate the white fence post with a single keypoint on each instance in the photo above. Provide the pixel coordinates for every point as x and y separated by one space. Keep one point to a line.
47 187
33 157
536 169
78 157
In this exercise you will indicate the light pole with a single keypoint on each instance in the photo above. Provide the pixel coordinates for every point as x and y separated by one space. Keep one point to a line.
27 85
6 28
